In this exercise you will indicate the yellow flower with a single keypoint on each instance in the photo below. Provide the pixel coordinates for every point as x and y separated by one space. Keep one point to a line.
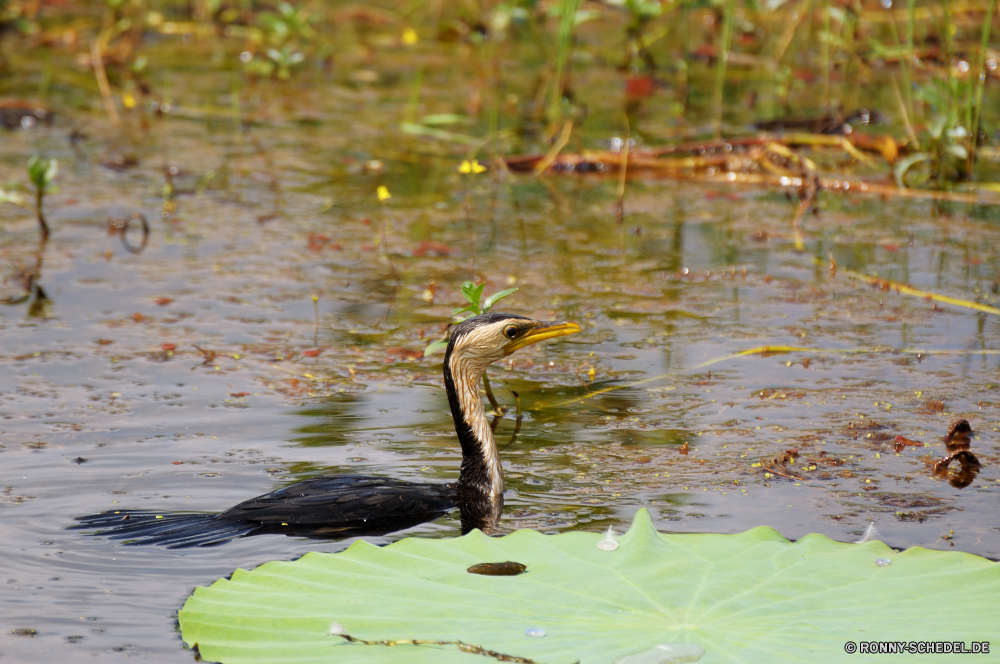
471 167
383 193
128 100
410 36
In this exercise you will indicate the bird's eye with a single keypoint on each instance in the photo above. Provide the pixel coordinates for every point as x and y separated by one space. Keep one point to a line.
510 331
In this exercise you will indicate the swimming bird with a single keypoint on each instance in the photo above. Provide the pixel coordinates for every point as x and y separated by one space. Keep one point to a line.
351 505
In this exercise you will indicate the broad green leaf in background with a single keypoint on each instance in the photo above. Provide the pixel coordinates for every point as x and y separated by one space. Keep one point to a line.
435 346
496 297
473 294
752 597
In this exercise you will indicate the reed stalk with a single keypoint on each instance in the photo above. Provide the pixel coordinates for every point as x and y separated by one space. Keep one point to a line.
825 42
979 84
564 45
720 68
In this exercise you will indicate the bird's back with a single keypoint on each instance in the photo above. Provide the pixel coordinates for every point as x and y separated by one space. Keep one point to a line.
323 508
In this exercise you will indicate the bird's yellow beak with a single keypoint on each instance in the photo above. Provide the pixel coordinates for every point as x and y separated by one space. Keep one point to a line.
543 331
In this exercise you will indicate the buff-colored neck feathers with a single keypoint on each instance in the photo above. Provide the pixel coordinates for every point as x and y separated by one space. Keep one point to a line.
473 353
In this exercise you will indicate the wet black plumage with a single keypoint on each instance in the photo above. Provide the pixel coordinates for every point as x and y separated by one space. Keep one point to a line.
324 507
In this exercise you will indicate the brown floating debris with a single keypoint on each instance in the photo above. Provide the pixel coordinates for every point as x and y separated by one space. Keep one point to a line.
498 569
23 632
749 160
404 354
958 440
965 457
838 124
433 248
959 435
21 114
119 162
902 442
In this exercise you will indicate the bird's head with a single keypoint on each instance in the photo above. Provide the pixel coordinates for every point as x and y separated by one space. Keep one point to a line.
482 340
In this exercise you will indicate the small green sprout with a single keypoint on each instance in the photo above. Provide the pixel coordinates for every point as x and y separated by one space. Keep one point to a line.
473 295
284 60
287 25
42 173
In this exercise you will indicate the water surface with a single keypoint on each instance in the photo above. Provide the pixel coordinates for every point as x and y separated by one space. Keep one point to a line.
95 414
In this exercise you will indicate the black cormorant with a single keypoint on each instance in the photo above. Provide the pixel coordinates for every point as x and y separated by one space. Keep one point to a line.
350 505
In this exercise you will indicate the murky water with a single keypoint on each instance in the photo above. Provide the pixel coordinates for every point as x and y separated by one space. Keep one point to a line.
95 413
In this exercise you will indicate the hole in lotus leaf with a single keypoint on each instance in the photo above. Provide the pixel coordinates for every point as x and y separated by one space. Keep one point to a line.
666 653
498 569
883 562
534 632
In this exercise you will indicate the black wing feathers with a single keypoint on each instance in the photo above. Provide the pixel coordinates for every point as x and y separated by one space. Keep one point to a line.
324 507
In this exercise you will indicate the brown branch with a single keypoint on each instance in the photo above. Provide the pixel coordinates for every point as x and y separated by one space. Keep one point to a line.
768 466
97 59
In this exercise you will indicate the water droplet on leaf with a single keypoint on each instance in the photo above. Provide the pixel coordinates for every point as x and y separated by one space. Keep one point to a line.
609 543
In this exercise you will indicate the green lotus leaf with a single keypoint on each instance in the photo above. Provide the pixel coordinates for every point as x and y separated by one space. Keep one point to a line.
751 597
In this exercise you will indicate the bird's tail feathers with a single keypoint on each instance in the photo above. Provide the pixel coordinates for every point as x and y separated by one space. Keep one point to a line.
175 530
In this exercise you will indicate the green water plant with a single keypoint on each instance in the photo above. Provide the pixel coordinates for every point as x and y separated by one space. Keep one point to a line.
974 111
284 60
475 306
568 13
42 173
287 24
943 156
748 597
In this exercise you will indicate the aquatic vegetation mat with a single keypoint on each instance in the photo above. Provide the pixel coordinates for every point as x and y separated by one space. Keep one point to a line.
749 597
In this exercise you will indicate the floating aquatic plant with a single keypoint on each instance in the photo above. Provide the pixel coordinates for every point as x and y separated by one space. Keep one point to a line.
749 597
42 173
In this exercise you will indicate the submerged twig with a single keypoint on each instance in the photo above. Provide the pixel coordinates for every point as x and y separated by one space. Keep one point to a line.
517 421
315 299
121 226
769 466
497 408
622 172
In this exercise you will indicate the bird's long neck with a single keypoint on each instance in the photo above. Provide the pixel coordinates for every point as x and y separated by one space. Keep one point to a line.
481 476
